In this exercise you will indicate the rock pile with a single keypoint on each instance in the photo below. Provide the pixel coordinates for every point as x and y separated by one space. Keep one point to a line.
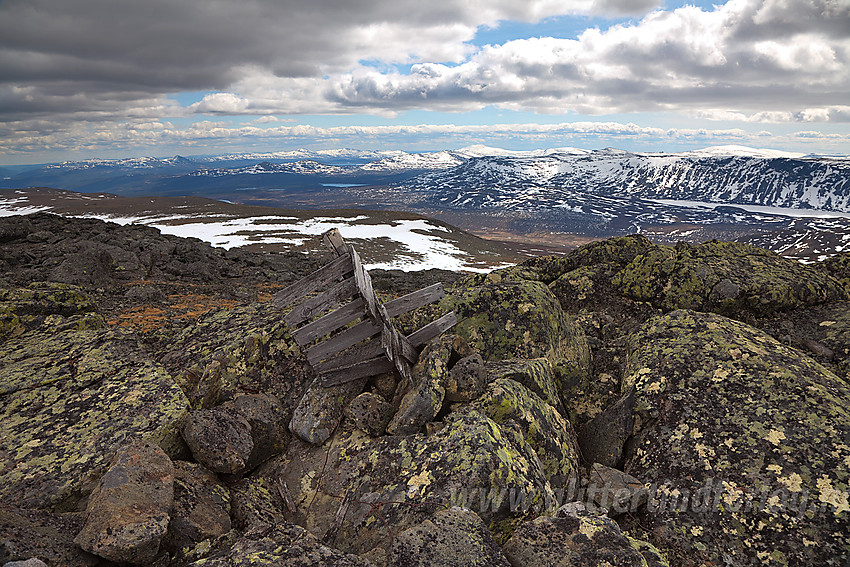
629 404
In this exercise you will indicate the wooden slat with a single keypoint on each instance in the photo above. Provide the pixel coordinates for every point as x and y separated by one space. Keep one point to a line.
364 369
367 350
342 341
306 310
317 280
414 300
373 347
364 286
331 322
433 329
333 240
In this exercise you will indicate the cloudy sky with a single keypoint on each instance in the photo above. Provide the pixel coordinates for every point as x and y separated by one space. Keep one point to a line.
116 78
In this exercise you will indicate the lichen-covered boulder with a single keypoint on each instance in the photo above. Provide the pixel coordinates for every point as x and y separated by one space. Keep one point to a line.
617 251
201 509
745 441
535 374
128 513
320 409
729 278
839 267
276 545
602 438
503 316
450 538
370 413
430 379
232 351
576 537
47 305
268 421
256 501
68 401
519 412
467 379
219 440
37 533
396 482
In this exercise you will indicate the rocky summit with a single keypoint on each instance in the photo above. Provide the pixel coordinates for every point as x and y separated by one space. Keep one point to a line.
628 404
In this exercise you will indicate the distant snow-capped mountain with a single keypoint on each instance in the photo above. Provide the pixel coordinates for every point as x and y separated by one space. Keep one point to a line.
717 175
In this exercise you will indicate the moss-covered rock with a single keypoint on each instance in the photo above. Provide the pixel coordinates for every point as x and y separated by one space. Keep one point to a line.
46 305
68 401
397 482
515 409
575 538
729 278
503 316
746 441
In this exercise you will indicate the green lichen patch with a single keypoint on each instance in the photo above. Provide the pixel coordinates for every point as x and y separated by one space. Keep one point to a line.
398 481
542 427
46 305
729 278
69 400
243 349
747 440
507 317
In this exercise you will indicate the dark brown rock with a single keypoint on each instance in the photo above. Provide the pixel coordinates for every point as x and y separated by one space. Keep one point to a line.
219 440
370 413
128 513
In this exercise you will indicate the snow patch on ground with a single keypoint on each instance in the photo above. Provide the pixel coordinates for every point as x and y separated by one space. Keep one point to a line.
424 248
800 213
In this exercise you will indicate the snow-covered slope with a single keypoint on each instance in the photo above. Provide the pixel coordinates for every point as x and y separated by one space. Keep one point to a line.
712 175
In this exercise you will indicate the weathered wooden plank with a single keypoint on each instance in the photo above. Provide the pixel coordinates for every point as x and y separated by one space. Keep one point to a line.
367 329
342 341
373 347
317 280
364 286
333 530
415 299
364 369
433 329
306 310
333 240
331 322
353 355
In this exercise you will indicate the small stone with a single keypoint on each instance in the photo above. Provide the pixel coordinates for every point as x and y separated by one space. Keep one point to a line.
615 490
218 440
467 379
370 413
128 512
267 418
33 562
320 410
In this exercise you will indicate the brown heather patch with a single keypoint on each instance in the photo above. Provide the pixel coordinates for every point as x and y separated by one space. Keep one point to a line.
182 309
